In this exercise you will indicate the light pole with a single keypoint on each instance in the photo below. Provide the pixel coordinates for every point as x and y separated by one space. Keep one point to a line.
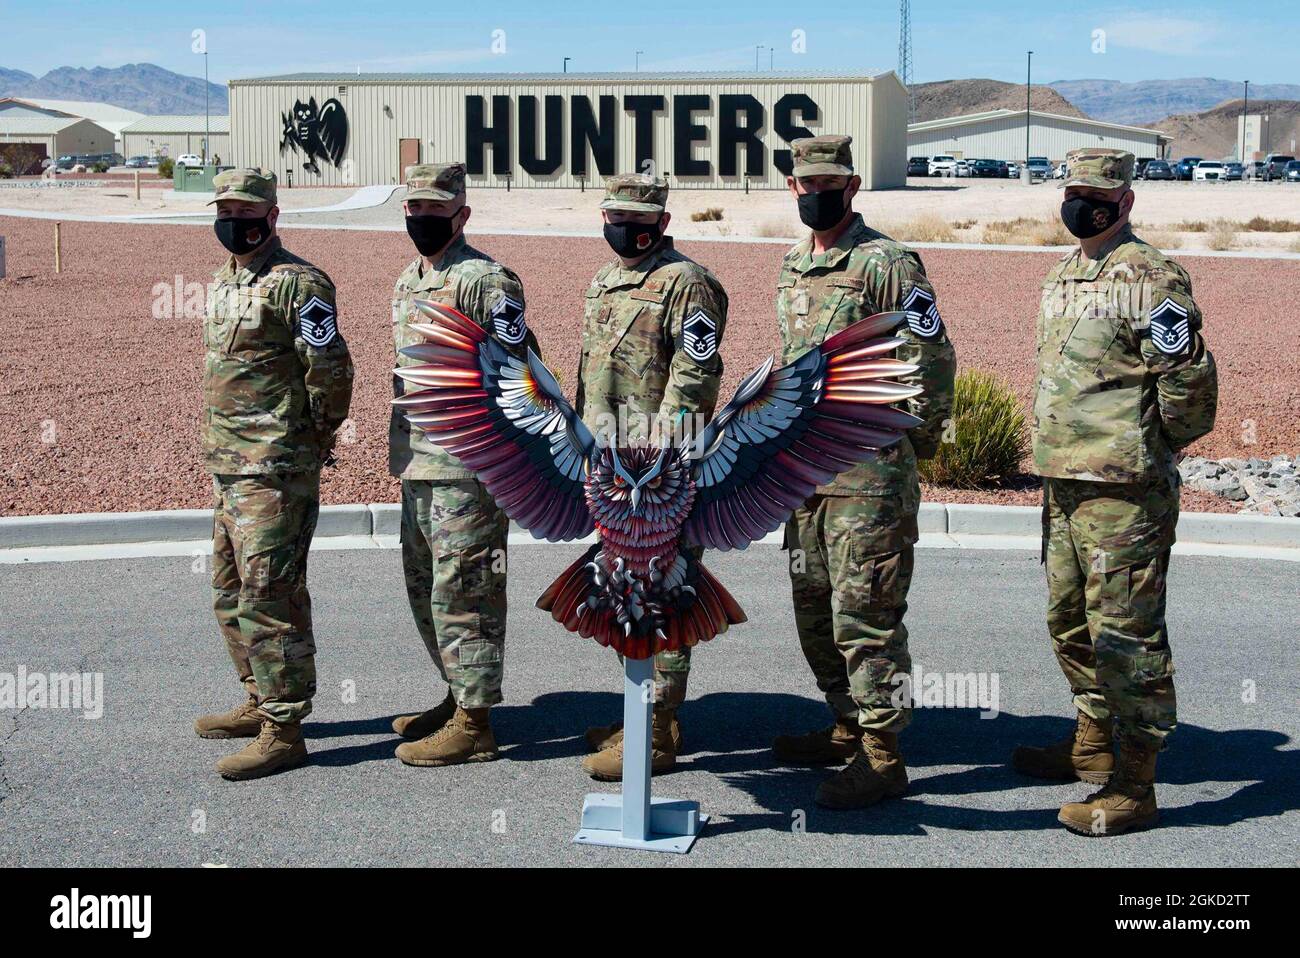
207 122
566 64
1029 72
1245 101
638 59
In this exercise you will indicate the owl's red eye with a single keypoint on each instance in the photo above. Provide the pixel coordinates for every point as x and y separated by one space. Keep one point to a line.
653 483
618 481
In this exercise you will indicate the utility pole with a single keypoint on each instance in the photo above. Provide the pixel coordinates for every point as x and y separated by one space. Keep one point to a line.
1029 72
638 60
566 64
207 112
1245 100
905 55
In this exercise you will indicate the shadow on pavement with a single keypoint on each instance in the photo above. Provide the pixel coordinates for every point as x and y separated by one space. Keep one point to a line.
730 734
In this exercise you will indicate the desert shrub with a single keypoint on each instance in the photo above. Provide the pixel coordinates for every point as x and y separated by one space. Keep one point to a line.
1223 236
99 168
1163 239
709 215
986 438
1192 226
1027 231
924 229
166 167
1261 224
776 228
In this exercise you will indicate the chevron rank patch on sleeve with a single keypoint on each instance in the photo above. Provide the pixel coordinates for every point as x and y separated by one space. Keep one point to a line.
1170 329
508 320
923 314
700 336
317 323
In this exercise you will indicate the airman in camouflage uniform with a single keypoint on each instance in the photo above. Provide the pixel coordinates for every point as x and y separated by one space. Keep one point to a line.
652 326
453 533
1125 382
851 542
277 383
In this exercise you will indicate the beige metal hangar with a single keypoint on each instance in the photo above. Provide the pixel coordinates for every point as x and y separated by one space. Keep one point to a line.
174 136
702 130
27 141
1000 135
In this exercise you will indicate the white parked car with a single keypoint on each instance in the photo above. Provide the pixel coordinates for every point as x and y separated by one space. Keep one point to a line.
1013 171
1211 170
1059 173
943 165
189 159
961 168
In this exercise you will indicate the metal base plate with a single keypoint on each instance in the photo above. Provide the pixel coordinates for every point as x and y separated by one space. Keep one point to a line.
674 824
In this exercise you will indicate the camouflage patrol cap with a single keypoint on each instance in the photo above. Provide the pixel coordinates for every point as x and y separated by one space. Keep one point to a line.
435 181
251 185
1103 168
822 156
636 193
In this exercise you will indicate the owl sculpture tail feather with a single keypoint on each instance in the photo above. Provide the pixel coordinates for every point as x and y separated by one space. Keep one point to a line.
614 606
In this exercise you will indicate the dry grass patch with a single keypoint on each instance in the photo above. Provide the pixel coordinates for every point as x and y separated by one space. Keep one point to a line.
1163 239
1028 231
924 229
709 215
1223 236
1261 224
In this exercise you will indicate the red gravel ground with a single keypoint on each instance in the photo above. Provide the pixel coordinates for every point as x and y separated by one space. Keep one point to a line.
102 401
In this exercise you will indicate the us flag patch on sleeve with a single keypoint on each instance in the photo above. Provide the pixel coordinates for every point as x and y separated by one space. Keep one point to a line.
508 320
1171 329
317 323
700 336
923 314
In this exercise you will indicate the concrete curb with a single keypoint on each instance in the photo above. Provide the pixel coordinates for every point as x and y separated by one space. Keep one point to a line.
377 520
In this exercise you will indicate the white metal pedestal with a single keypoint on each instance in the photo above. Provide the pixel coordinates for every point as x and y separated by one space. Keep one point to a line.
634 819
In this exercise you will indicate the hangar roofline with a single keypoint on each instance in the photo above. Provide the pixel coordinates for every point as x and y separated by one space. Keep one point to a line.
357 79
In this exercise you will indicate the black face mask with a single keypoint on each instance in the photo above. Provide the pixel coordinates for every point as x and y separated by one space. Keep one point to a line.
242 236
1086 217
821 211
430 232
631 240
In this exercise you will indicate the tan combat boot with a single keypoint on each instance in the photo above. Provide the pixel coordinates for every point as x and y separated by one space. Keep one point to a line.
278 746
607 764
833 745
601 737
467 737
1086 755
243 721
877 771
415 727
1127 803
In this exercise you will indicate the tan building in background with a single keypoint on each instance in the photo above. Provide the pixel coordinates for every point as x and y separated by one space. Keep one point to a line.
174 136
1000 135
701 130
29 140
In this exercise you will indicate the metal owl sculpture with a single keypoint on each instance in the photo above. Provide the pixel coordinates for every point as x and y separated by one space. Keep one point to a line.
638 589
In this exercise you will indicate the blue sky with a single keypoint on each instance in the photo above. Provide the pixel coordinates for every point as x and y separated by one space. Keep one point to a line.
951 38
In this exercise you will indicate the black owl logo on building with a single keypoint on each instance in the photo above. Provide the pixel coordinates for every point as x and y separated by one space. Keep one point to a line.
320 133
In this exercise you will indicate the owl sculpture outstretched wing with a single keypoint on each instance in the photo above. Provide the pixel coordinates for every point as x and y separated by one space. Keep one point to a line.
637 589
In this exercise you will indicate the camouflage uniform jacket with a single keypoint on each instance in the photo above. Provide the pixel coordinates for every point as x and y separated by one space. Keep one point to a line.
277 378
651 336
487 293
864 273
1124 378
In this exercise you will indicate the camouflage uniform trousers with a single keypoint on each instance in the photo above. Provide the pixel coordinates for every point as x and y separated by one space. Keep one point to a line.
262 528
454 560
850 570
1106 549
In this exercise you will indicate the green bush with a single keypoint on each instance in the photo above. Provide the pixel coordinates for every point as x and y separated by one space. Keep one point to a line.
99 168
986 439
166 167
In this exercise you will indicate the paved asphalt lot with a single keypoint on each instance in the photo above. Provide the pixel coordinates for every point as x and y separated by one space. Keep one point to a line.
134 787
